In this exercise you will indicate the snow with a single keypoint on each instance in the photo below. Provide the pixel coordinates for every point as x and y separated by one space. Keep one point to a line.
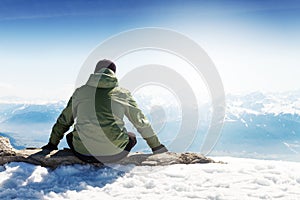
258 103
292 146
241 178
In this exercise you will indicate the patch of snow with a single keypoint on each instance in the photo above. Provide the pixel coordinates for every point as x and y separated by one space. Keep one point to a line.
241 178
263 103
37 176
292 146
23 107
244 122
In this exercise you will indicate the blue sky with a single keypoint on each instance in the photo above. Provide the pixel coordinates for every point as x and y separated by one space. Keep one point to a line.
254 44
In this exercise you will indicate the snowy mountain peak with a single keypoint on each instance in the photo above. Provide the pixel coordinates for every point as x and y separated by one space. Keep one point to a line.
264 103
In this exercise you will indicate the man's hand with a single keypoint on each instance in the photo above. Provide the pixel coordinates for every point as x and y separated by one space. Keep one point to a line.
50 147
160 149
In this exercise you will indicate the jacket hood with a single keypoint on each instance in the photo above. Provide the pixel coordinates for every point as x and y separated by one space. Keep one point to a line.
105 78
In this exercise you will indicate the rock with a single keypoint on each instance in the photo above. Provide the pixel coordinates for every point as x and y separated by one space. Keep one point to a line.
56 158
5 147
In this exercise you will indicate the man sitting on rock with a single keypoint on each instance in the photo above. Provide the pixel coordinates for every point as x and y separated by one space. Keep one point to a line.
97 110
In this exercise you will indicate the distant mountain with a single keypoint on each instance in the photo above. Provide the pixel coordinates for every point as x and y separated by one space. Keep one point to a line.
255 123
264 103
262 123
29 123
29 113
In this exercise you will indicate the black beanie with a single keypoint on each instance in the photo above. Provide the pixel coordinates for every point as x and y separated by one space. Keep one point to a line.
105 64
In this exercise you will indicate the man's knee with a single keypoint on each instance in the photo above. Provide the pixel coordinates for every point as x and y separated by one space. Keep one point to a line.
132 137
69 138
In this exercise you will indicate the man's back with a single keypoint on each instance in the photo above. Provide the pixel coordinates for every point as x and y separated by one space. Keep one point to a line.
98 109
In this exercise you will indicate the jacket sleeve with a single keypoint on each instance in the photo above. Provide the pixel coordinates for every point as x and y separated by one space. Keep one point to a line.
62 125
140 122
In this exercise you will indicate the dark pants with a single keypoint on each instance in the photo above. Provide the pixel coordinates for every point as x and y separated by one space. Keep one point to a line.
103 159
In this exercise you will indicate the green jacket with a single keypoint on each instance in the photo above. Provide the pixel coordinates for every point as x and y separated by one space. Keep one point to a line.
98 109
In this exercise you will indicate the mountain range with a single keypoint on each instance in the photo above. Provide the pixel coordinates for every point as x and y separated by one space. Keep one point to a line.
255 124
